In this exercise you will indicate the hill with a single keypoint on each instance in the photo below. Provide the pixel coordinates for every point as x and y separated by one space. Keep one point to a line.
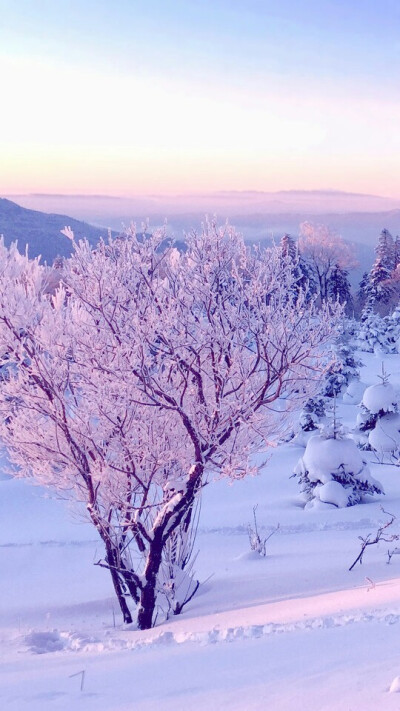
41 230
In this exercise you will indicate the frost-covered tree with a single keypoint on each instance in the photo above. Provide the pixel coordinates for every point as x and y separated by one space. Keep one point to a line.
288 247
324 251
303 276
344 367
386 250
362 293
339 288
146 374
312 414
379 288
374 334
332 473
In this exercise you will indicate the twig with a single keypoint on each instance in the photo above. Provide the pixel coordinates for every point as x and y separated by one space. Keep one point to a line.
379 536
82 675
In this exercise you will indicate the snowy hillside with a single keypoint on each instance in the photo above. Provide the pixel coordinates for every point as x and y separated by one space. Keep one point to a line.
41 231
294 629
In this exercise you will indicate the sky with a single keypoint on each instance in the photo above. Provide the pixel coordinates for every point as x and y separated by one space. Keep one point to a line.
141 97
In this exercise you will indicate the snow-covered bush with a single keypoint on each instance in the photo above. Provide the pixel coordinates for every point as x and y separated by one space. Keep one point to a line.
385 437
374 335
346 365
312 413
354 392
335 381
378 419
332 472
393 329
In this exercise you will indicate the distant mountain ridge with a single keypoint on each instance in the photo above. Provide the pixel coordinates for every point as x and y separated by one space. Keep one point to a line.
41 230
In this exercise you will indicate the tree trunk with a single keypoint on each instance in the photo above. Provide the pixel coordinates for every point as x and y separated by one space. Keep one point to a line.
112 560
148 593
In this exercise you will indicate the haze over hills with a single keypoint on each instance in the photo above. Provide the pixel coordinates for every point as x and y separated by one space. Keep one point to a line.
113 211
41 231
358 218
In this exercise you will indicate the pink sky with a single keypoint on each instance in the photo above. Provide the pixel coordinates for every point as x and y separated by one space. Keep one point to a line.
120 103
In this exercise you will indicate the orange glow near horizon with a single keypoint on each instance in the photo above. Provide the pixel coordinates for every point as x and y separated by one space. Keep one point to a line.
86 132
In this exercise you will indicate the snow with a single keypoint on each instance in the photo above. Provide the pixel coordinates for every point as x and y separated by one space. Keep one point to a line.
395 685
326 456
380 397
333 493
293 629
354 392
385 437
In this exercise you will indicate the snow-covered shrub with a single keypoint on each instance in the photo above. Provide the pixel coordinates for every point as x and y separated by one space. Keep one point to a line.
346 365
312 413
374 335
385 437
332 472
393 329
378 418
354 392
334 382
257 543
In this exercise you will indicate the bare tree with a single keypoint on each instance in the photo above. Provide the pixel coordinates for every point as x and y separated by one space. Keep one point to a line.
324 251
146 374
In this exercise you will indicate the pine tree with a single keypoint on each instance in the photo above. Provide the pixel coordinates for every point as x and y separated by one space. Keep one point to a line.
379 288
339 287
303 276
396 252
378 419
385 250
362 292
312 413
373 334
332 472
288 247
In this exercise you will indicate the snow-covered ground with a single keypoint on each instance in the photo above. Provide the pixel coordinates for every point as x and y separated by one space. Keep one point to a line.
293 630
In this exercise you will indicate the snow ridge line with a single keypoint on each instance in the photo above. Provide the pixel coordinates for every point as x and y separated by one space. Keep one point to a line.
363 523
224 530
45 642
50 544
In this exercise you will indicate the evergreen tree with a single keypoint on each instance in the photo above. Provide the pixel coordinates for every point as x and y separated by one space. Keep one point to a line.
373 335
312 413
303 276
378 420
288 247
396 252
339 287
379 288
332 472
362 292
385 250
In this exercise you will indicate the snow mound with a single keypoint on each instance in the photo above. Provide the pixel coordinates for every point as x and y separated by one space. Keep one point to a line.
216 634
395 685
354 392
380 397
324 457
385 437
333 493
332 472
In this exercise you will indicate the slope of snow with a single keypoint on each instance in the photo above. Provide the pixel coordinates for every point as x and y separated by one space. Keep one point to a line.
294 629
